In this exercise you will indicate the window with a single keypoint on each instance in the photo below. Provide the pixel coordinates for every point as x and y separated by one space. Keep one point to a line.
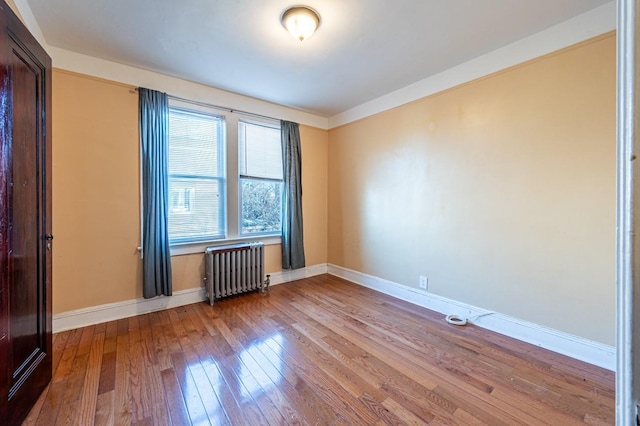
197 184
260 170
225 176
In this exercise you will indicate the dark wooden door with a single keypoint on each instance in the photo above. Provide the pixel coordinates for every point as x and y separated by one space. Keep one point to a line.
25 219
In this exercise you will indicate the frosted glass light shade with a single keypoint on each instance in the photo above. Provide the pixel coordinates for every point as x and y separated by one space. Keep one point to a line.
301 22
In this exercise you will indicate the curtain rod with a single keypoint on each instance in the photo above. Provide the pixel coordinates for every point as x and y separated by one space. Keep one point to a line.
204 104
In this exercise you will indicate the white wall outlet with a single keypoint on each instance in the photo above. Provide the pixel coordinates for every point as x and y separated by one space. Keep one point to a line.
423 282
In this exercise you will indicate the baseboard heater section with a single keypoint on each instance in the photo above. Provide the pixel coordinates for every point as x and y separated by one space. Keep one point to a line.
234 269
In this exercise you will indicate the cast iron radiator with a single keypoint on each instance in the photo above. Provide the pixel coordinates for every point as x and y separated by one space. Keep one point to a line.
234 269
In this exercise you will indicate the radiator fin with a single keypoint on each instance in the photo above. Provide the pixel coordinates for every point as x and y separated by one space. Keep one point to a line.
234 269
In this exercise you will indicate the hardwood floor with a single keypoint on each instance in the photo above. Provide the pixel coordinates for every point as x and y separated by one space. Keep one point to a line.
317 351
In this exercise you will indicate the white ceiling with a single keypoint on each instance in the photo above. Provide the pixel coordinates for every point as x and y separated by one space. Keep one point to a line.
363 49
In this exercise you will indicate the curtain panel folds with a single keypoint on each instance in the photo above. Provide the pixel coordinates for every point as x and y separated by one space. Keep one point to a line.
292 237
154 134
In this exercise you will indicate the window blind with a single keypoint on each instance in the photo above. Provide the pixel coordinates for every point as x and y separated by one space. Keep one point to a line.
197 185
260 153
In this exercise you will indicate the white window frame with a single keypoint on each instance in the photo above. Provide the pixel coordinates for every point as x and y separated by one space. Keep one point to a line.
232 216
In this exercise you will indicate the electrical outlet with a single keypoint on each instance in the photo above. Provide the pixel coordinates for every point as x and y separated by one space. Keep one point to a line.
423 282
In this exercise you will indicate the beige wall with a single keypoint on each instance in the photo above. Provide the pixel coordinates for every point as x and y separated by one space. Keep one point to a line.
95 192
500 191
96 213
315 157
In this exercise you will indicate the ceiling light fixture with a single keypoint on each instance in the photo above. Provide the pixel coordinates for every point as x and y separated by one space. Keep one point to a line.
300 21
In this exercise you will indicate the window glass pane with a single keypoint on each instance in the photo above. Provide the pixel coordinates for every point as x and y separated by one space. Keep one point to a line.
193 143
197 185
260 152
195 208
261 206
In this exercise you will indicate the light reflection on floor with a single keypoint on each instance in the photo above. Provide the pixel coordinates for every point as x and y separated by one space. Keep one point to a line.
266 374
256 370
196 385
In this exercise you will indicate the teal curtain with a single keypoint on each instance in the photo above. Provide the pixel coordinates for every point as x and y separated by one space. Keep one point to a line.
154 134
292 238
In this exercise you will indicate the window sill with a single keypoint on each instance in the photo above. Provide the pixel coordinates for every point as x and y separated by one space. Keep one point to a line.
201 246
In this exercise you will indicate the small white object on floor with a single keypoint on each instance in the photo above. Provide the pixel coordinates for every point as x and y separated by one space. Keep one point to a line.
456 320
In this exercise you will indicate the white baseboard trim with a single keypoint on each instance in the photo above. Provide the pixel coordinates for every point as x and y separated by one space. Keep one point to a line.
545 337
297 274
128 308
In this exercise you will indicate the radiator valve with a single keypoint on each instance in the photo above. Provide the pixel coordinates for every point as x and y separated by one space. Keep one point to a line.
267 281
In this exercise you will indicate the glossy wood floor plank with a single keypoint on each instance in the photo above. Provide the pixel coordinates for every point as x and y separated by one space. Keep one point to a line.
90 387
319 351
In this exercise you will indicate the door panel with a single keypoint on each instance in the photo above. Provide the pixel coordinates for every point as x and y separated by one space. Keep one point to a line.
25 219
26 189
